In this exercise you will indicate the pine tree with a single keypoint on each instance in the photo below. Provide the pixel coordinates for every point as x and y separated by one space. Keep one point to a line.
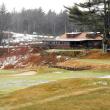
95 14
4 20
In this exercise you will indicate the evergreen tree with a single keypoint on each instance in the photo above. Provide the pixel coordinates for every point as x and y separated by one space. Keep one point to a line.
4 20
95 14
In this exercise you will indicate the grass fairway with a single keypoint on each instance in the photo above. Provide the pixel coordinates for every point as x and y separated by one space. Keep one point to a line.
10 83
71 94
63 89
12 71
63 50
5 72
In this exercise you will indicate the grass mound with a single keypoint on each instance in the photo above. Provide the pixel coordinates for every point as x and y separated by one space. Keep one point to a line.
97 55
84 64
45 69
74 65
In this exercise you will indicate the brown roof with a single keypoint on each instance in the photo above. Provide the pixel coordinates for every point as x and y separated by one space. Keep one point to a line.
80 37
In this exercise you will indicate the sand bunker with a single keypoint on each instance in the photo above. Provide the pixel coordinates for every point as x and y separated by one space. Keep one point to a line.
108 76
29 73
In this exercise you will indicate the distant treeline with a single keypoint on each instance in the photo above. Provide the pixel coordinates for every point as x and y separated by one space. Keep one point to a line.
35 20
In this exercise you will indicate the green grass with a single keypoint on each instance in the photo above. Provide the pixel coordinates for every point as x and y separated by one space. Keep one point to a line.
25 92
10 83
46 69
4 72
64 50
70 94
98 100
12 71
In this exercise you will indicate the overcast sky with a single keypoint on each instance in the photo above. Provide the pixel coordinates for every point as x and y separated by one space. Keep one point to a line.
55 5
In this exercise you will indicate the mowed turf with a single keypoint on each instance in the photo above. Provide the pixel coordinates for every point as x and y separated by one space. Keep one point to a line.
59 93
70 94
10 83
5 72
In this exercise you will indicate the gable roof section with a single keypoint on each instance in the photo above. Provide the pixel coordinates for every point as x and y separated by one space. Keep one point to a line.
85 36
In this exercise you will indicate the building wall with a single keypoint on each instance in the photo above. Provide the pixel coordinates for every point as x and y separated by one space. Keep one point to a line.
73 44
57 44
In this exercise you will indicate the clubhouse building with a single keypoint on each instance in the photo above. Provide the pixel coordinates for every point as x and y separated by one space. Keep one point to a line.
75 40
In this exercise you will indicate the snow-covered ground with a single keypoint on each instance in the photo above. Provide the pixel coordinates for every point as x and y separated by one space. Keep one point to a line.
13 60
19 38
25 38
